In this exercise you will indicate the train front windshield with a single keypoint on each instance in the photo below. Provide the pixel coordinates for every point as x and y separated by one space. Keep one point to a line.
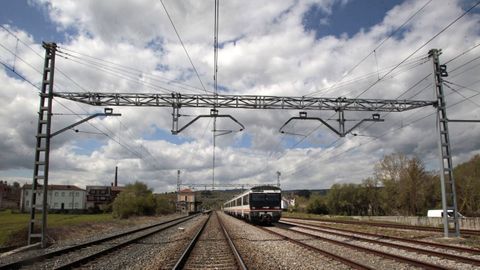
265 199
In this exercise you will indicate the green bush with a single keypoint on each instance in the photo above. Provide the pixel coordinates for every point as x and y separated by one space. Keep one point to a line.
136 200
164 206
317 205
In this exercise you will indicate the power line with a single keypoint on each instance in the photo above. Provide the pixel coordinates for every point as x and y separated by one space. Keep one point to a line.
120 75
184 48
74 82
462 53
21 41
21 59
406 91
19 75
390 131
125 69
460 94
422 46
380 44
215 46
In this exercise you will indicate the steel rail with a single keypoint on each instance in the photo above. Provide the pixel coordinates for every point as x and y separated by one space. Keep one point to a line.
386 255
351 263
234 249
186 253
90 257
27 261
390 225
408 240
442 255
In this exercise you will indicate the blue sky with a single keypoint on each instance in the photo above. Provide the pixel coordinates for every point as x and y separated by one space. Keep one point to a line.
347 18
271 42
32 18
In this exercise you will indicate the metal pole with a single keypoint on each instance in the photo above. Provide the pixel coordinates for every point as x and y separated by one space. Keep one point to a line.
278 178
213 158
449 197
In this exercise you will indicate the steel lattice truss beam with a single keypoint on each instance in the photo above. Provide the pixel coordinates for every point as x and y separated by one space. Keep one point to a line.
243 101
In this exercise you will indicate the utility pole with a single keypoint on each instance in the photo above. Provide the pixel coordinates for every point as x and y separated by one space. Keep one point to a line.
278 178
42 147
449 196
178 182
115 183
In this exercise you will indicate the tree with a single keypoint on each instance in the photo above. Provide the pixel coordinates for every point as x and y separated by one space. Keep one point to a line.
408 189
467 183
163 205
135 200
317 205
372 193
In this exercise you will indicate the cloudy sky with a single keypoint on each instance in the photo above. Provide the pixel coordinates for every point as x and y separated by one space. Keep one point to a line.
347 48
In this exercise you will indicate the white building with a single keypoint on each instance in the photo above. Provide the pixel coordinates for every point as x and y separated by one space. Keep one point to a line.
60 197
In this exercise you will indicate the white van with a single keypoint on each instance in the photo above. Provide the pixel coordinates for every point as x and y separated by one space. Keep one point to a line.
439 213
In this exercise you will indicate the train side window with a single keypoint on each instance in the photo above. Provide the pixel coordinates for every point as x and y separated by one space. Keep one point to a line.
245 200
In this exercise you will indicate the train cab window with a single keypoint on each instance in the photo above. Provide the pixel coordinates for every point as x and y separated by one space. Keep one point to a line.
265 199
245 200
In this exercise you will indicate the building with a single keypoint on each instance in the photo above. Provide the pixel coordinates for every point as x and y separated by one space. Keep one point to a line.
100 197
59 197
186 201
9 195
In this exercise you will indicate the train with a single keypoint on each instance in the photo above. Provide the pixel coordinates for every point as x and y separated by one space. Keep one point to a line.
260 204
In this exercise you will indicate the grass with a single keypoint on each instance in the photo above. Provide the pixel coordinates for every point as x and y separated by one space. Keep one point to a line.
12 223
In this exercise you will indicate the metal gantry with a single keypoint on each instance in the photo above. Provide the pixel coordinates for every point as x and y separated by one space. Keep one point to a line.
177 101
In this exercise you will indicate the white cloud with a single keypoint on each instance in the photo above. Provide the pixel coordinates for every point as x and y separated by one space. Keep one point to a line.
266 51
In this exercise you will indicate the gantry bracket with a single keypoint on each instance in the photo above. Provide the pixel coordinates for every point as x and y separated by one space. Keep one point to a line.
341 120
107 112
213 114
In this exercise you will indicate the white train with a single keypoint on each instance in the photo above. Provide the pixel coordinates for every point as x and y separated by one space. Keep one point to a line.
261 204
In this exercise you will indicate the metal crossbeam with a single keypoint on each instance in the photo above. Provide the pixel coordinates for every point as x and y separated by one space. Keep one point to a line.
243 101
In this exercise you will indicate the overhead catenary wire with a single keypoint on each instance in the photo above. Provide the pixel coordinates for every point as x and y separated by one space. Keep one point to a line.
421 47
380 44
183 45
124 69
38 87
20 75
126 77
68 77
329 147
462 53
387 132
410 55
373 51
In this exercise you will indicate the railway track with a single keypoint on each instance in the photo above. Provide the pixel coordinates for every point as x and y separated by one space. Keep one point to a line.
403 254
336 257
211 248
59 259
326 242
390 225
420 247
353 233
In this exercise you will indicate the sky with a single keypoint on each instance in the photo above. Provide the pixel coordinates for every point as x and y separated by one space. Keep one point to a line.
326 48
